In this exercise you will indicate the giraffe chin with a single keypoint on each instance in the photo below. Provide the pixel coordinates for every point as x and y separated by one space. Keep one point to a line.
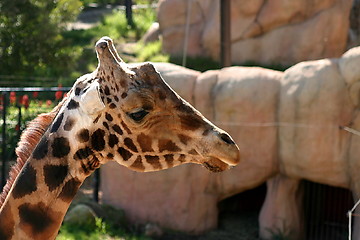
215 165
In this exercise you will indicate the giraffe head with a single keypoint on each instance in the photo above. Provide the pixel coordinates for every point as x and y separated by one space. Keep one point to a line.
136 119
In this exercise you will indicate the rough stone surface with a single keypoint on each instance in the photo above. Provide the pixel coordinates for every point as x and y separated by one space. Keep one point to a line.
282 209
81 214
314 94
287 128
260 30
152 34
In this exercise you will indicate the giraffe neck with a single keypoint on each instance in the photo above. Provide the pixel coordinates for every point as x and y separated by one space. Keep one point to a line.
47 183
40 195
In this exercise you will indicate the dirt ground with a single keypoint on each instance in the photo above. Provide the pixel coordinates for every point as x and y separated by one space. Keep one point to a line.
231 226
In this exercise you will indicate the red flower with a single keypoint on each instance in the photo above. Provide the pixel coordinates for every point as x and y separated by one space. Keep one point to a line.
12 97
35 94
58 93
48 102
25 101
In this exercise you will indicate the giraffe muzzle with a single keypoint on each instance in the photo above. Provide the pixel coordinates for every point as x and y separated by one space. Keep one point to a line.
222 152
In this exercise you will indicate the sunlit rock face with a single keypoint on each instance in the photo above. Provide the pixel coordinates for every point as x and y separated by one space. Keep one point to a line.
267 32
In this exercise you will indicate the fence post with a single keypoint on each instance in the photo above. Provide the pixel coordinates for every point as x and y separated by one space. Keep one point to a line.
225 33
128 12
19 122
96 184
3 154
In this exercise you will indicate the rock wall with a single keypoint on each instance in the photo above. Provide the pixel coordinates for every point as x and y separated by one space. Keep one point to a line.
267 32
287 127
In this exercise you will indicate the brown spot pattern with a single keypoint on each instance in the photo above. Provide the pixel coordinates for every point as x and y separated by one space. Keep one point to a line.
7 227
26 182
97 140
138 165
55 175
113 140
145 142
190 122
168 145
123 83
125 154
182 158
107 90
69 190
106 125
97 118
125 127
108 117
38 221
184 139
117 129
83 135
130 144
60 147
41 149
69 124
154 161
169 158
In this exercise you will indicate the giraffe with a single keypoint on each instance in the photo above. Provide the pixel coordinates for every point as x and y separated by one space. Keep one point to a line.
116 113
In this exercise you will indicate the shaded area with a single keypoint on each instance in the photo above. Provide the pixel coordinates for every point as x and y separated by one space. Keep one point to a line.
325 210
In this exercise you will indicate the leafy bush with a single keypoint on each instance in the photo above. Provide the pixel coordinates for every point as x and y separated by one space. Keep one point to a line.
113 25
30 39
14 127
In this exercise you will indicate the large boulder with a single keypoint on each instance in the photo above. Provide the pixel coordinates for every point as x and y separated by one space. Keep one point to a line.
260 30
315 100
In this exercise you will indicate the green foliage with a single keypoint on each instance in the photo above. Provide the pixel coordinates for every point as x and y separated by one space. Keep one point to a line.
30 39
101 230
13 130
113 25
151 52
201 64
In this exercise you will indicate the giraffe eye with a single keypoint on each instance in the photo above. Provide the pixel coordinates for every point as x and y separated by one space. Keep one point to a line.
138 115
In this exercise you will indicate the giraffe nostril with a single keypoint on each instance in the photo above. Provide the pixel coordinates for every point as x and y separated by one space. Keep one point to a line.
226 138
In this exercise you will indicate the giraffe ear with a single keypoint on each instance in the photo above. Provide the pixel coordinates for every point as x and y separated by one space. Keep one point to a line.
91 102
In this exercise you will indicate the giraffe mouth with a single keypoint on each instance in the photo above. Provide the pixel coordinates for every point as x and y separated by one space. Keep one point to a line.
216 165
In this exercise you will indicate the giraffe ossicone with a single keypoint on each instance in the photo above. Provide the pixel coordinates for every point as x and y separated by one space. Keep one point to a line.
116 113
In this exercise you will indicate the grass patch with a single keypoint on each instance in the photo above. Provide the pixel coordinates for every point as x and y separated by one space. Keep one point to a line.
150 52
101 230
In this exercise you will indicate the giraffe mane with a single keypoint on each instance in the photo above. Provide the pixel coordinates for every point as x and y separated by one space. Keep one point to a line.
28 141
